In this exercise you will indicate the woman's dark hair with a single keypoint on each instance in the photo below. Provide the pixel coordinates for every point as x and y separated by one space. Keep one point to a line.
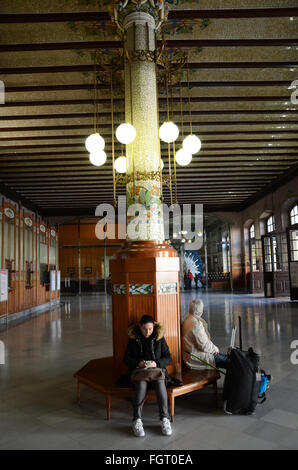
146 319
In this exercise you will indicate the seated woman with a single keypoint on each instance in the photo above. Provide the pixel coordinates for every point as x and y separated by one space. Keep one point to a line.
196 339
147 347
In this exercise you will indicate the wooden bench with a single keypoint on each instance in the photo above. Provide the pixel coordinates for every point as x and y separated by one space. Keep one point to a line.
99 374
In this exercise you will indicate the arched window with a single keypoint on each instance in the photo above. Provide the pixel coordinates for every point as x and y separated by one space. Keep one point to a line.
294 215
252 231
270 224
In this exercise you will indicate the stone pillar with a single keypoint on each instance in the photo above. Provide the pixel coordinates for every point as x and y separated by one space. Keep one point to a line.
141 110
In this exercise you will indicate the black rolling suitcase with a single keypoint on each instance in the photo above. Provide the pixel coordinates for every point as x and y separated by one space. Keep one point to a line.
242 380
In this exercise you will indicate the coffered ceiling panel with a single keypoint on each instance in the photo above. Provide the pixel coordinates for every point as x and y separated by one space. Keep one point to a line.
242 59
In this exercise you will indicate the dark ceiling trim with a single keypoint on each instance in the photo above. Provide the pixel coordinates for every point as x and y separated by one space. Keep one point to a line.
88 168
17 197
21 180
203 99
35 157
83 136
186 124
92 16
84 115
190 65
273 186
171 43
205 141
202 84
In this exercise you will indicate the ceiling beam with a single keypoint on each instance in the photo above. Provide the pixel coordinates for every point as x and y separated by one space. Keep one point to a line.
92 16
171 43
204 141
202 84
264 133
186 124
85 115
194 99
190 65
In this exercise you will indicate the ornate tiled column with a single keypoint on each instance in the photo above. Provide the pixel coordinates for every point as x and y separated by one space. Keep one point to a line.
145 272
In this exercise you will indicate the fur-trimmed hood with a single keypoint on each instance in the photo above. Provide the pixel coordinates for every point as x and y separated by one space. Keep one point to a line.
158 332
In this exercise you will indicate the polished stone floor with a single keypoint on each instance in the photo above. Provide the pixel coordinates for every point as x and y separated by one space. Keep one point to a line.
38 408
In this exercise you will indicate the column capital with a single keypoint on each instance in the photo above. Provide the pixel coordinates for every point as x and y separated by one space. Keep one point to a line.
155 9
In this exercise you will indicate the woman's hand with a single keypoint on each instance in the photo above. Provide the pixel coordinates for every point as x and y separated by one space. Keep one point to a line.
141 364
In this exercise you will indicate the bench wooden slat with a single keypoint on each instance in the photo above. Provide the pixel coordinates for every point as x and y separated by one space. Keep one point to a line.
99 374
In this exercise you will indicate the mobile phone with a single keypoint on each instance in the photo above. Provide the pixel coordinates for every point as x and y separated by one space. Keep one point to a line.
147 362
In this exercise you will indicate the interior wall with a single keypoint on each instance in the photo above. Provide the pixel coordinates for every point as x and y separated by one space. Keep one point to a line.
28 246
277 203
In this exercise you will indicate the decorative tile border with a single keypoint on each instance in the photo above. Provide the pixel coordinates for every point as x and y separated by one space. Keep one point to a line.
167 288
134 289
141 289
119 289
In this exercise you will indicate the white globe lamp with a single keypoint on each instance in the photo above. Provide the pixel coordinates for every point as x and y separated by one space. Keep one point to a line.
183 157
120 164
191 144
125 133
94 142
168 132
98 158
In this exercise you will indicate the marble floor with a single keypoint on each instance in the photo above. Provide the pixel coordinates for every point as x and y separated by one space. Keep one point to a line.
37 389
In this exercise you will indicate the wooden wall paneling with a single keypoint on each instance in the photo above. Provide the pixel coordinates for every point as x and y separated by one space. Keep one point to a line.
19 259
48 293
167 314
27 290
58 260
140 305
120 337
36 261
12 292
2 234
23 296
2 304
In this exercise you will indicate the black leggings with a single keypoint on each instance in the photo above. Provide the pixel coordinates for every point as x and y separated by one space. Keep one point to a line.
140 395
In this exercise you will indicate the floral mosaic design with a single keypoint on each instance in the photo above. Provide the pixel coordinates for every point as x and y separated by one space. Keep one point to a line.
135 289
147 194
168 288
119 289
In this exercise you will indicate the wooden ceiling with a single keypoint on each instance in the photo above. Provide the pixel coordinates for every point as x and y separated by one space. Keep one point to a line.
242 63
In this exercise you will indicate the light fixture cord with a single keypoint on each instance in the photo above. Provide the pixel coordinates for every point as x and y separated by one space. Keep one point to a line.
169 145
167 96
181 111
95 96
190 122
113 142
174 150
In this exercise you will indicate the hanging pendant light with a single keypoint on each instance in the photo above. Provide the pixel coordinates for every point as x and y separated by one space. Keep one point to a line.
168 132
192 144
94 143
183 157
126 133
98 158
120 164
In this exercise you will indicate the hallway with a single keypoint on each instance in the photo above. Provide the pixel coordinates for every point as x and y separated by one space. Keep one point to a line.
38 391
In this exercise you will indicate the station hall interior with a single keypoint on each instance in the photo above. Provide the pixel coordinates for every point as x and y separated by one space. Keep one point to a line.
77 267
